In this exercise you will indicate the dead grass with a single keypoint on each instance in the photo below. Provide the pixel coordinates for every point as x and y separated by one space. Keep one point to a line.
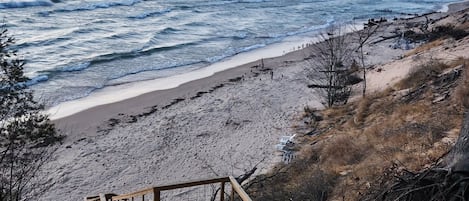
462 91
362 144
363 140
425 47
422 73
342 151
459 61
362 111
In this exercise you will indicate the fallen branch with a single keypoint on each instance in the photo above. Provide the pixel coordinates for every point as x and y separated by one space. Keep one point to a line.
384 38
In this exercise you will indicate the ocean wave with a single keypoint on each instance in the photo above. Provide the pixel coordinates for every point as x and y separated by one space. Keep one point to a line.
197 24
168 30
306 29
386 10
231 52
240 35
156 68
23 4
104 58
45 38
219 3
151 50
217 58
152 40
208 4
146 50
92 6
253 1
75 67
37 79
252 47
151 14
51 73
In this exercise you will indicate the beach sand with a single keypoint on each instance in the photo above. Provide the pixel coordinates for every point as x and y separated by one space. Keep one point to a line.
221 125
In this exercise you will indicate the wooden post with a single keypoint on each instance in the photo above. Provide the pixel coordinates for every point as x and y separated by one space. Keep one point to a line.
222 191
239 190
156 194
232 193
143 197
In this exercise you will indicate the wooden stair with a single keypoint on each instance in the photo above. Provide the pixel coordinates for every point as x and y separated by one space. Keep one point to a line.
154 193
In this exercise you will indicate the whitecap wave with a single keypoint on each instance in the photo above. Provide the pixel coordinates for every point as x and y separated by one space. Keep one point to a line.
92 6
24 4
37 79
151 14
252 1
76 67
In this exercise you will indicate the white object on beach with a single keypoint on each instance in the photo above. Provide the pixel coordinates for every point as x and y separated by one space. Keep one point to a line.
284 140
279 147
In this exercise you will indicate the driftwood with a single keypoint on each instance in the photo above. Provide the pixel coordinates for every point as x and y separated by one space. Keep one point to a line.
319 86
384 38
246 175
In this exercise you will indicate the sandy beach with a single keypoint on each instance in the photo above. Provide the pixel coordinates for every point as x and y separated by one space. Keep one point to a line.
220 125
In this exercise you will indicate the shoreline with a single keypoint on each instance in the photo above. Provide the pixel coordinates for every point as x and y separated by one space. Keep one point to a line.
129 91
108 95
143 101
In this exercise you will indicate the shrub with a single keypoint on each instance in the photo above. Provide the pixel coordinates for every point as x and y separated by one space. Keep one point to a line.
25 132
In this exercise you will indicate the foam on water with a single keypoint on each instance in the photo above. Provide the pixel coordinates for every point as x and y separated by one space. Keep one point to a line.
98 5
37 79
76 67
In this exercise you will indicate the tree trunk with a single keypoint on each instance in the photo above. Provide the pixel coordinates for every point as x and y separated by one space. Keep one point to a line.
458 158
364 70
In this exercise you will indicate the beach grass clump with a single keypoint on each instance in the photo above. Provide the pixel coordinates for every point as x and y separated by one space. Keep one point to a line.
425 47
300 180
342 152
462 90
423 73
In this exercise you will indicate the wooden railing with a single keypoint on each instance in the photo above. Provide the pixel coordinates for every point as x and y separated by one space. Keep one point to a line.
154 193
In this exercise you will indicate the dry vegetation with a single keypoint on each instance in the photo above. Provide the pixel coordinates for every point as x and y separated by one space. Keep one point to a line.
361 145
356 151
425 47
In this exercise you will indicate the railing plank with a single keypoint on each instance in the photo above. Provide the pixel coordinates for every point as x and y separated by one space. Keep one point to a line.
157 190
156 195
131 195
193 183
242 194
222 191
232 193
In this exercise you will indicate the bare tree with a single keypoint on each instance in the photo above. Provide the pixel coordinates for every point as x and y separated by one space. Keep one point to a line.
25 132
332 57
363 37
